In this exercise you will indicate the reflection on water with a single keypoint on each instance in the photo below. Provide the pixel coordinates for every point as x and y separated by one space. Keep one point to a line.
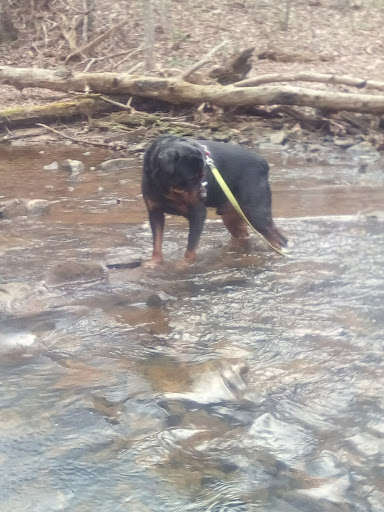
248 382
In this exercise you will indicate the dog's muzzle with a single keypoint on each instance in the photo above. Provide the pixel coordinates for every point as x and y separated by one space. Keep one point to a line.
203 190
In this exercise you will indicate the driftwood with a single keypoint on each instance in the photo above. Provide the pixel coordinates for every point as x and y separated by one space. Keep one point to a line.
178 91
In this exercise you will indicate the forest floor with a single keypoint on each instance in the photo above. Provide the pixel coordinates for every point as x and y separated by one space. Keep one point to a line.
342 37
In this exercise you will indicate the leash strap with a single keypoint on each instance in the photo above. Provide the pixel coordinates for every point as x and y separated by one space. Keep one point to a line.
232 199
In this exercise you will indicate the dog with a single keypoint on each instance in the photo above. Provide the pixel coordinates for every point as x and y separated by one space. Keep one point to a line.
177 180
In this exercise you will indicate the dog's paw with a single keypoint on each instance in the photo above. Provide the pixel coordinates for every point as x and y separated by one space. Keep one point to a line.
183 264
151 263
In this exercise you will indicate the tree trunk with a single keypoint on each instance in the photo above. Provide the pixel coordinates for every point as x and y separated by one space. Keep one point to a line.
8 32
148 35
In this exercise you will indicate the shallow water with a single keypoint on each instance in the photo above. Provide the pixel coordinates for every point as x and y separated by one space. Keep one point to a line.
248 382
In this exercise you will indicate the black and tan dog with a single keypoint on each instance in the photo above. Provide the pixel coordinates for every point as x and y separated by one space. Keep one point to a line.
178 181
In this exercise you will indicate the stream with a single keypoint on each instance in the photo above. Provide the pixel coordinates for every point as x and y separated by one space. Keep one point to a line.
248 382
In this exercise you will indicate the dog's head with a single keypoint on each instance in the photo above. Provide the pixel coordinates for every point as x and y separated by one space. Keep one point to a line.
179 170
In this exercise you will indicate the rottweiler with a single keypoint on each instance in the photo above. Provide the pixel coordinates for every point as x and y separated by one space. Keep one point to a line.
177 180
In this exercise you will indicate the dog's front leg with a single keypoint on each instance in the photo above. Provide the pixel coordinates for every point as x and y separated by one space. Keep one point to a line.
156 220
196 218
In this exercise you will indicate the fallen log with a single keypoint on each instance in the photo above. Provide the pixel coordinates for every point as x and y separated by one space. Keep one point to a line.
178 91
56 111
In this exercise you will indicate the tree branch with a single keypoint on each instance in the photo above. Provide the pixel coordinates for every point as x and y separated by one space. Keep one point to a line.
360 83
202 61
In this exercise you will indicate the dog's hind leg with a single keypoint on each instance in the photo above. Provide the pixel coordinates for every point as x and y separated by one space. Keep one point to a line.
235 224
257 206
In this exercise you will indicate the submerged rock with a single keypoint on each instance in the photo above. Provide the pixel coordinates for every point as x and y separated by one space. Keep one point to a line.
72 271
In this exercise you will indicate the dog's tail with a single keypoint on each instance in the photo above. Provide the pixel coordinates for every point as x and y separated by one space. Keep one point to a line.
272 236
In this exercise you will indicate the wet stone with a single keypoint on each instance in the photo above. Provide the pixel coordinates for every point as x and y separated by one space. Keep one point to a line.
70 271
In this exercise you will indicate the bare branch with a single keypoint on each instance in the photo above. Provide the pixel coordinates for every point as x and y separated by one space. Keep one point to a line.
95 42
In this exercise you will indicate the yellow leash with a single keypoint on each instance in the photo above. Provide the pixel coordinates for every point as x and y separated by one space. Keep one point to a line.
232 199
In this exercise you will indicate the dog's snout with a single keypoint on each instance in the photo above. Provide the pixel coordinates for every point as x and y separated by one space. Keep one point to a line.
203 190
